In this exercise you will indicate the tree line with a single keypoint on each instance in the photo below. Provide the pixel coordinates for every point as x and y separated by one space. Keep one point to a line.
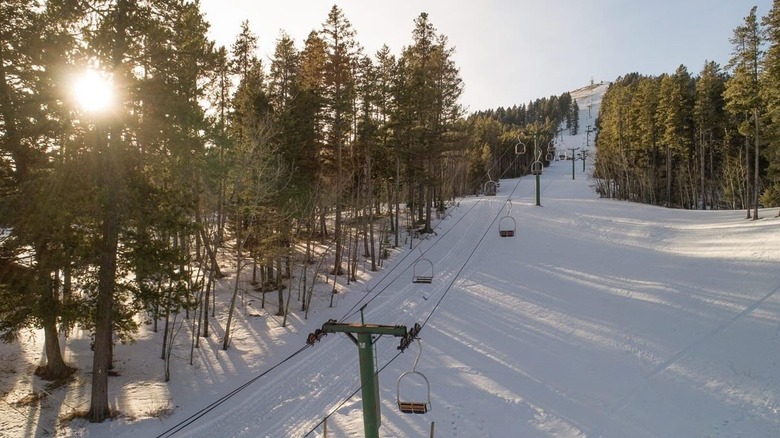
706 142
495 134
113 219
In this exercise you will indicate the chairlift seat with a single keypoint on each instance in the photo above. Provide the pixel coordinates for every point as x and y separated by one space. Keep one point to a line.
413 407
422 279
507 233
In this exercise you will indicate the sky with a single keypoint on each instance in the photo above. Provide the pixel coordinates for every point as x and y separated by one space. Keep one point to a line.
598 318
513 51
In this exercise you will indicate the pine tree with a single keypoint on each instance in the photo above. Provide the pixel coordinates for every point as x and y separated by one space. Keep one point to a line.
708 111
176 58
742 94
573 119
34 44
389 165
648 136
114 38
676 120
339 93
432 88
770 94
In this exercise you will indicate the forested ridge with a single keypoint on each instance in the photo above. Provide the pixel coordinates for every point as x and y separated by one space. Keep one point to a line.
116 218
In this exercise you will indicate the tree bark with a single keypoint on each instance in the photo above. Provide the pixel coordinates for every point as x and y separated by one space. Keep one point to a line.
55 367
99 408
279 286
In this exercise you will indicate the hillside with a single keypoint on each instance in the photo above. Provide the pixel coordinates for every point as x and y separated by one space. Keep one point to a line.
598 318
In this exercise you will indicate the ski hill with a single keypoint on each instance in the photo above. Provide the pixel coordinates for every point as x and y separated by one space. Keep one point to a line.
598 318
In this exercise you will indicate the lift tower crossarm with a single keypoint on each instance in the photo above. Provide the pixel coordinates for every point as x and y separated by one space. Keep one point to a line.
357 328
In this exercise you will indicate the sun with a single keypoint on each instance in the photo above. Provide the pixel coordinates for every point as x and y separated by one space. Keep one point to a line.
93 91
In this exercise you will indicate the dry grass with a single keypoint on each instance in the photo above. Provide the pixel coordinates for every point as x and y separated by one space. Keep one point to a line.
160 409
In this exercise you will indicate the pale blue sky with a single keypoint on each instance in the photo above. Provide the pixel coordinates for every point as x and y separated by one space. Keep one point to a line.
510 52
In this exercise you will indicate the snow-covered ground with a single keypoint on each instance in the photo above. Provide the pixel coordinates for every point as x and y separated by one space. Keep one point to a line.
599 318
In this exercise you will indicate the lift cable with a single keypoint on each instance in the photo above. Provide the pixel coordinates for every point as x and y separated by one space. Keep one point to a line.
199 414
430 314
192 418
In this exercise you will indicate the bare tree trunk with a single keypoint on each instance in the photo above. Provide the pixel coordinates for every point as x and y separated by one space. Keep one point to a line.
279 286
702 153
99 409
165 332
397 200
239 249
668 176
370 201
350 256
205 312
55 367
211 250
337 267
287 303
756 180
747 177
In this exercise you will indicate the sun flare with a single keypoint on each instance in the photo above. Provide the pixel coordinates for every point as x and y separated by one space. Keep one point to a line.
93 91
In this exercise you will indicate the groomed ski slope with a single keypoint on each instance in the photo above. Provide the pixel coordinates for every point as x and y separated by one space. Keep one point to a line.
600 318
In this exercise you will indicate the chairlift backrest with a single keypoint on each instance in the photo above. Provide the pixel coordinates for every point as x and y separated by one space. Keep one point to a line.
423 271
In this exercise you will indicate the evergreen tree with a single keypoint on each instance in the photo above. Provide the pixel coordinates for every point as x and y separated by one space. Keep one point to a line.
389 162
770 94
742 94
708 111
244 52
433 86
34 45
112 39
339 93
176 58
309 114
648 138
676 120
573 118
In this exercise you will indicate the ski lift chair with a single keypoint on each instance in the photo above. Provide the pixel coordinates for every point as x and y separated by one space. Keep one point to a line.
490 188
423 271
536 168
507 226
414 407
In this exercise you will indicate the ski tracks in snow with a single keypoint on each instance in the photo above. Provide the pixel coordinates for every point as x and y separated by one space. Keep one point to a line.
325 375
665 365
